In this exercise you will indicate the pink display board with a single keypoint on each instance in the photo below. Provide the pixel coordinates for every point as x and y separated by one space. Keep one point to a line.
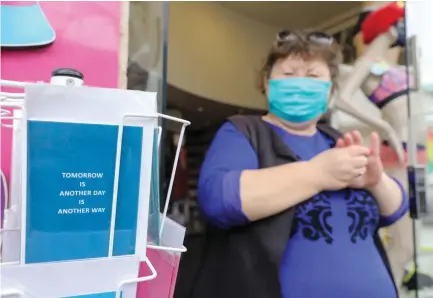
166 265
87 39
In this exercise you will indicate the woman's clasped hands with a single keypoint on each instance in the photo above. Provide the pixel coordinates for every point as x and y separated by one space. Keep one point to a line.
350 163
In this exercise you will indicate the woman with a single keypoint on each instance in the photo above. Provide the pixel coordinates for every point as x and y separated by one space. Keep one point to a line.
306 226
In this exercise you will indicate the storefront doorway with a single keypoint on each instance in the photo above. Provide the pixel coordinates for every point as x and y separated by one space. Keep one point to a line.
221 43
420 117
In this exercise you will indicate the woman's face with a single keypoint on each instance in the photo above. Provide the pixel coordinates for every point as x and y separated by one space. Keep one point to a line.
295 67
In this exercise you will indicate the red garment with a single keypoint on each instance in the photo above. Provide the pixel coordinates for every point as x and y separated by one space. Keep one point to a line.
180 185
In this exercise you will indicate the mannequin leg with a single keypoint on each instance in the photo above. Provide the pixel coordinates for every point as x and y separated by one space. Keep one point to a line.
399 236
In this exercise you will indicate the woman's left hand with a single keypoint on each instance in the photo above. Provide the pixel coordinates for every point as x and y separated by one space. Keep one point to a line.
374 169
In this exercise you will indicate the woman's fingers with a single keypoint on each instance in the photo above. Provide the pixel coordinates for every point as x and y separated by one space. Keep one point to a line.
340 143
348 139
357 138
357 150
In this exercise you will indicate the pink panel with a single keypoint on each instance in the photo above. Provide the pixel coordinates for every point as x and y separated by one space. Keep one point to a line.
163 285
87 39
390 158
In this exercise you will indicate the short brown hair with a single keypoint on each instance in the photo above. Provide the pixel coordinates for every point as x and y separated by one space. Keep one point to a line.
305 48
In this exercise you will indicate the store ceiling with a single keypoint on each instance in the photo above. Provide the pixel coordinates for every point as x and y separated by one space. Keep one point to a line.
296 14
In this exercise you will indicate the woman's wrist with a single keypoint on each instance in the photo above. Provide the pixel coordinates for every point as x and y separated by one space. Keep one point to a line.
388 194
382 182
316 177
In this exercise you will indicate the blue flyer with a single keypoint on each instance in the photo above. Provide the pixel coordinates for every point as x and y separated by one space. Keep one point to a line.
70 175
154 221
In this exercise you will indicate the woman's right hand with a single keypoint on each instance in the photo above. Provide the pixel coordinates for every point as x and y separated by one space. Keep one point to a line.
336 168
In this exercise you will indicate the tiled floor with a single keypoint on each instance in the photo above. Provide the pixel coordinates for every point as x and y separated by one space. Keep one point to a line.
425 255
422 294
425 258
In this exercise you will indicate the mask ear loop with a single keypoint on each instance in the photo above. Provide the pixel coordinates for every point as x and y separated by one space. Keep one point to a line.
332 94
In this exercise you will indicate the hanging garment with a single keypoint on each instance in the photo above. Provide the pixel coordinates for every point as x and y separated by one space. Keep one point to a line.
180 184
24 26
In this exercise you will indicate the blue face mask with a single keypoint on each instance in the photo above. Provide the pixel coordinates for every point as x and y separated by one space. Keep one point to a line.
298 100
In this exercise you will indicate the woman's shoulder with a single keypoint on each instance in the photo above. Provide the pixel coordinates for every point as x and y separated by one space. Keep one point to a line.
229 137
242 126
229 148
228 132
228 126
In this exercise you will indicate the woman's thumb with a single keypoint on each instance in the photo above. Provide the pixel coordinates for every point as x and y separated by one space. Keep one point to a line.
375 144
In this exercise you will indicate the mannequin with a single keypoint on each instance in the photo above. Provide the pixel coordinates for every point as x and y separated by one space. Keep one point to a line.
374 72
391 55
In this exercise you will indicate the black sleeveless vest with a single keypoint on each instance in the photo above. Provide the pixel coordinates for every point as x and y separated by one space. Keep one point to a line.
244 262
